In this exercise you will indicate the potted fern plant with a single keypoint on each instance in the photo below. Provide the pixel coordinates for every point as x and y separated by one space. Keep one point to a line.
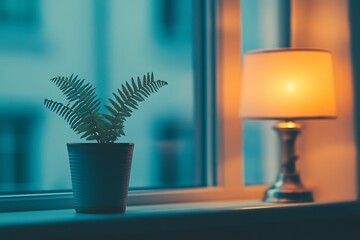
100 171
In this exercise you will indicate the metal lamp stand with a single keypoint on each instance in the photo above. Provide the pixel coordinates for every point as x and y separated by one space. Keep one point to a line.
288 187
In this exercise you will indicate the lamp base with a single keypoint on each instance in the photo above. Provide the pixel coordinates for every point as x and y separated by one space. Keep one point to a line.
288 189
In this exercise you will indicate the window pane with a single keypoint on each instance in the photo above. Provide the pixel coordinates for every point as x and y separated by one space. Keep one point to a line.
107 43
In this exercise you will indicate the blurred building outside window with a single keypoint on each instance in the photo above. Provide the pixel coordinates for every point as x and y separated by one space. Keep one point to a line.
107 43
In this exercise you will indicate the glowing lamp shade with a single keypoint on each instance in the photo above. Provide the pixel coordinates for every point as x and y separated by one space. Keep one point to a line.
288 84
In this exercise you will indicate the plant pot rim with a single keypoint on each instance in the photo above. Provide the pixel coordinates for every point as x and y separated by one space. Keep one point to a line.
98 144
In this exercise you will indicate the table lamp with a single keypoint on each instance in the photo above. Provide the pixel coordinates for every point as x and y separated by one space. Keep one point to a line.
288 85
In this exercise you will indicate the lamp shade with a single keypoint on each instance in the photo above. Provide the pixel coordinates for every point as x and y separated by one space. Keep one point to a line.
288 84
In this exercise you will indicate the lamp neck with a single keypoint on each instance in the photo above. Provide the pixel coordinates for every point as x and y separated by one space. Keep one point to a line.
288 132
288 187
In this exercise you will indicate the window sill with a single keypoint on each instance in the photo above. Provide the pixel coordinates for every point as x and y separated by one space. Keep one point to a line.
152 219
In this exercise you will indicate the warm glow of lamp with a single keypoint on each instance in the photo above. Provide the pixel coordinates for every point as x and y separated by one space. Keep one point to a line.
288 84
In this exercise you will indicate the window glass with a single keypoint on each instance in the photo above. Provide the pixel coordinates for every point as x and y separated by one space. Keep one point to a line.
107 43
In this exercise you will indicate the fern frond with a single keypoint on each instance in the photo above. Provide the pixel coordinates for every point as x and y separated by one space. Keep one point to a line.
84 103
128 97
66 113
76 91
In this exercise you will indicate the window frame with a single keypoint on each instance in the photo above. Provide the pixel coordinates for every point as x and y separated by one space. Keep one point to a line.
218 64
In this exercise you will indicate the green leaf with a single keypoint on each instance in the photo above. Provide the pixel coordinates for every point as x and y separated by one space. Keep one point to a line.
123 97
148 79
115 105
139 82
134 84
138 97
144 81
110 118
127 94
133 101
132 105
118 99
129 88
111 110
